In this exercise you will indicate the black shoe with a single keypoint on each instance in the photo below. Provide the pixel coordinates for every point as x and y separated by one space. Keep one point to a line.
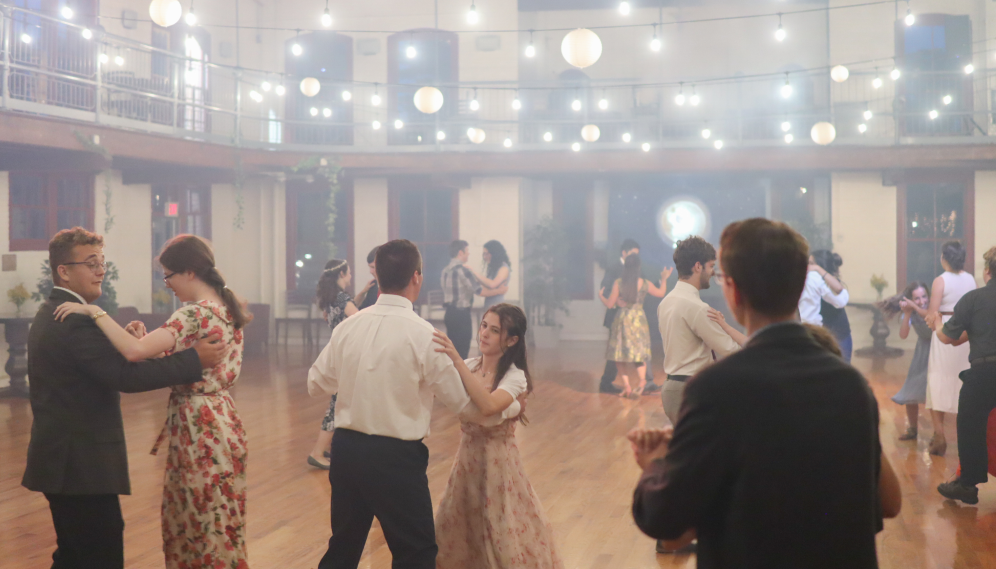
956 490
316 464
327 455
609 388
687 550
651 388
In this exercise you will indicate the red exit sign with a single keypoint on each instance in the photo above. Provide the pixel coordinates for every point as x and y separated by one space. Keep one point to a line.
172 209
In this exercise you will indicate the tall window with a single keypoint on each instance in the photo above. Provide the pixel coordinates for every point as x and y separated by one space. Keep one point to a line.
195 80
325 118
435 62
932 213
308 243
176 209
427 216
43 203
573 212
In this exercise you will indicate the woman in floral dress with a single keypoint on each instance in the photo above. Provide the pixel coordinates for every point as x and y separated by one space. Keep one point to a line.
336 305
489 516
629 337
204 493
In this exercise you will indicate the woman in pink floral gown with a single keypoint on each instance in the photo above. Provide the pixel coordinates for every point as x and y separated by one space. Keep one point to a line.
489 516
204 493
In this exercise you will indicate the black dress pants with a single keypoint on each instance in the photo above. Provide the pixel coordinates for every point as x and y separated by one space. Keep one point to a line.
459 328
89 531
976 401
383 477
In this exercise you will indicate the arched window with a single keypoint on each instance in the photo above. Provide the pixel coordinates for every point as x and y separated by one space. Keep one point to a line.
326 118
419 58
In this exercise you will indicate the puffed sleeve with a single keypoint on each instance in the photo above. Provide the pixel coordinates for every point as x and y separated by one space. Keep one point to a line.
514 382
187 325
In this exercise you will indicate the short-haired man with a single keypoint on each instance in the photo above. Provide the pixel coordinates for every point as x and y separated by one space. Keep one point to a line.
368 296
775 461
459 287
384 366
974 321
691 337
77 453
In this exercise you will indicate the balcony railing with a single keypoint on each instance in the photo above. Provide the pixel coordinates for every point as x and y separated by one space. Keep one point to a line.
59 68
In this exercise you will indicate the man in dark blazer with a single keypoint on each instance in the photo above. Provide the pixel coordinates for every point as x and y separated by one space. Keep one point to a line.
77 455
775 461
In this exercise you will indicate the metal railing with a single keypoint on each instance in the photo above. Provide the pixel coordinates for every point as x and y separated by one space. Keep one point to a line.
60 68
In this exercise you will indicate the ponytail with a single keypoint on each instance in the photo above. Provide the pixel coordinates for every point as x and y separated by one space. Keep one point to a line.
237 308
191 253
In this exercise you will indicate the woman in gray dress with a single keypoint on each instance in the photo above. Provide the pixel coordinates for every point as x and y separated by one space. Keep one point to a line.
914 303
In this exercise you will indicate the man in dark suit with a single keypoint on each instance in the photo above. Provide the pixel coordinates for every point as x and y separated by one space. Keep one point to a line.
77 453
775 461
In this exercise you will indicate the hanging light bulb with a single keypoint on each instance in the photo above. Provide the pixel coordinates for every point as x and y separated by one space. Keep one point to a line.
279 90
694 99
862 128
103 58
894 74
933 114
655 43
786 126
297 50
375 125
877 81
786 88
969 69
867 115
346 96
255 96
645 147
87 34
26 38
780 32
313 111
718 144
507 143
547 136
118 60
627 137
789 138
66 12
190 17
706 133
411 52
266 86
516 103
327 112
679 99
441 135
375 98
603 103
576 105
576 147
947 99
624 8
326 18
530 49
474 104
472 16
910 19
398 124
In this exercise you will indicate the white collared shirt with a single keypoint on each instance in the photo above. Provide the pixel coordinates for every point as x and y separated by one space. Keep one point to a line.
70 292
690 337
816 289
384 366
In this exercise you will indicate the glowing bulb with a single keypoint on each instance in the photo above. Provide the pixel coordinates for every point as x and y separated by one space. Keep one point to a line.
877 83
706 133
87 34
326 18
190 18
626 137
398 124
279 90
780 33
655 44
862 128
297 50
576 105
299 263
255 96
789 138
516 103
507 143
603 104
530 50
947 99
576 147
786 90
411 52
718 144
786 126
867 114
375 100
803 190
67 12
475 105
547 136
969 69
441 135
346 95
910 19
26 38
313 111
645 147
103 58
266 86
933 114
624 8
118 60
375 125
894 74
326 112
679 99
472 16
695 100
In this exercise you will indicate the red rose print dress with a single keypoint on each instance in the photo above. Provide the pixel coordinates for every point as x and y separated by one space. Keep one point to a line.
204 493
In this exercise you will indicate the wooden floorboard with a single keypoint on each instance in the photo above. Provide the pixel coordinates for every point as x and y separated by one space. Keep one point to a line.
574 452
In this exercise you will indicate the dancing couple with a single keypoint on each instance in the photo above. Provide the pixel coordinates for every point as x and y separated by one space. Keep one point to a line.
387 365
80 359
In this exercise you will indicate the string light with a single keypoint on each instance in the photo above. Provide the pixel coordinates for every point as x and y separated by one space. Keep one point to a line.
894 74
947 99
576 104
910 19
786 126
375 98
603 103
877 81
627 137
516 103
279 90
655 43
398 124
780 32
472 16
706 133
26 38
694 99
789 138
475 105
933 114
346 95
103 58
548 136
190 17
67 12
867 115
313 111
87 34
118 60
645 147
530 49
507 143
624 8
969 69
327 112
679 99
266 86
786 88
297 50
576 147
441 135
327 16
718 145
862 128
375 125
255 96
411 52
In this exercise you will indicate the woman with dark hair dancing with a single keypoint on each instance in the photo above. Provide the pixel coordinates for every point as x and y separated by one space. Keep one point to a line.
913 303
489 516
204 493
498 269
336 305
945 361
834 317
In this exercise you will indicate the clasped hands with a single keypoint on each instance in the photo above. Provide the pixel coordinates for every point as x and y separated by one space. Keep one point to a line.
649 444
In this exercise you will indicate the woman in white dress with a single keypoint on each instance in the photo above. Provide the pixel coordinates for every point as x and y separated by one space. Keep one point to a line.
945 361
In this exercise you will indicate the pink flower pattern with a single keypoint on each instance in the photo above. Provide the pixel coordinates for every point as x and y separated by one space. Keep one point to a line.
489 516
204 493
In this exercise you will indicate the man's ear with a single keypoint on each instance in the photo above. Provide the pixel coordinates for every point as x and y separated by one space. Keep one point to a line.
698 268
63 273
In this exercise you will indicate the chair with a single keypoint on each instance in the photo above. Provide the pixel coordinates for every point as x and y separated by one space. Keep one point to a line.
300 311
257 332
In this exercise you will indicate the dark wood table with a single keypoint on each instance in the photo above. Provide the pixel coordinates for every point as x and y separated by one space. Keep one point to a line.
15 332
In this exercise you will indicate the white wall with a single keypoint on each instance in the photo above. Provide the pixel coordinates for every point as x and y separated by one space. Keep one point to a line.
985 229
863 227
489 209
370 219
128 244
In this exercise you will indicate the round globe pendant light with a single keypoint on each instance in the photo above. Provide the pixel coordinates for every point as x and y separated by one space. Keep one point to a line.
581 48
428 100
590 133
839 73
310 86
165 12
823 133
476 135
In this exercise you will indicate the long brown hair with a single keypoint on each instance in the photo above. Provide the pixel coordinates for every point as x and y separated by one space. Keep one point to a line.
328 284
628 287
191 253
513 325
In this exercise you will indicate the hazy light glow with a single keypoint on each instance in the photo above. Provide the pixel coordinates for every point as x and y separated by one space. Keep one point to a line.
255 96
297 50
894 74
66 12
718 144
969 69
87 34
679 99
475 105
933 114
624 8
786 90
862 128
627 137
313 111
789 138
547 136
507 143
576 147
786 126
576 105
118 60
327 18
947 99
910 19
706 133
603 104
780 33
516 103
26 38
375 100
280 90
375 125
867 114
190 18
346 95
694 100
656 44
530 50
645 147
441 135
411 52
399 124
266 86
326 112
473 18
877 83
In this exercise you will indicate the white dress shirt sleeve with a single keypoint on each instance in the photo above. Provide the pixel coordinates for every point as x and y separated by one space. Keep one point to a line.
715 337
323 377
443 379
835 300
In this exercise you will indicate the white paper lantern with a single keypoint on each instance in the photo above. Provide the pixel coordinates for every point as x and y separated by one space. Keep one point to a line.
165 12
581 48
590 133
476 135
839 73
823 133
428 100
310 86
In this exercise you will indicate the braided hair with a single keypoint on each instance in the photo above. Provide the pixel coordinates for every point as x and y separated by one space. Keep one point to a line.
192 253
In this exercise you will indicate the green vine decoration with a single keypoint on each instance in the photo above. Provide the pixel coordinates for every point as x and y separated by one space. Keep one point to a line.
239 221
329 169
91 146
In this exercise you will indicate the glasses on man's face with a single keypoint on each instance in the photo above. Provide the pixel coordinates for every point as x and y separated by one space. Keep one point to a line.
93 265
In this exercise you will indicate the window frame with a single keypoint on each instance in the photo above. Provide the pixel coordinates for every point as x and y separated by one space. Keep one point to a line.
396 186
50 179
343 215
560 190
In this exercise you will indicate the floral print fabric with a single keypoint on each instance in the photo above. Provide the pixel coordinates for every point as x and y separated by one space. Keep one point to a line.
204 493
629 337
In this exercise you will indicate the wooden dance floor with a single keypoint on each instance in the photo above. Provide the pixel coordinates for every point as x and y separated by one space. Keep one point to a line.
574 452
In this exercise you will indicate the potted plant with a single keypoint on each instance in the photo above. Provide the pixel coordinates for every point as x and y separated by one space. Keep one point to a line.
545 281
18 296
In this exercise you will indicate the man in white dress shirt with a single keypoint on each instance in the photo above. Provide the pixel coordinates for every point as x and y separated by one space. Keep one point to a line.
384 366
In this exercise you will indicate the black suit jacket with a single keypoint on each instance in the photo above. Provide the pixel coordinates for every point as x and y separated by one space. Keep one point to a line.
775 461
77 438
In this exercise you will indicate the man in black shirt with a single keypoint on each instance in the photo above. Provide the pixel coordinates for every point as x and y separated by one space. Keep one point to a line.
368 296
974 321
